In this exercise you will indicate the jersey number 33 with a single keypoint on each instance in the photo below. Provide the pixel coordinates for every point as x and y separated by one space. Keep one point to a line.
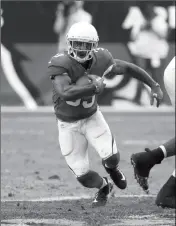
85 103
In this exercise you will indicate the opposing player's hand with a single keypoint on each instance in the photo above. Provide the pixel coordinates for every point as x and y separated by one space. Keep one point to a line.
98 82
156 93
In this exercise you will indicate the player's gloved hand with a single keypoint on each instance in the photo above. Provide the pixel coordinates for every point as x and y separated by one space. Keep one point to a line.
156 93
98 82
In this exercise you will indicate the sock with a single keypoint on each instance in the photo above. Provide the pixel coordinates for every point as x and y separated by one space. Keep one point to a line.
163 150
169 148
104 183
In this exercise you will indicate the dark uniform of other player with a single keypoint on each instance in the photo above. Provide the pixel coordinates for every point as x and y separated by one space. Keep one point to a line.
143 162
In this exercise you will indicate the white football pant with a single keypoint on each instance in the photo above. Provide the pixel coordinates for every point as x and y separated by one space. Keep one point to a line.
74 138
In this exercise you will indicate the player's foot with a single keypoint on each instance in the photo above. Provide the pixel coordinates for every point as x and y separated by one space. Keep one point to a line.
101 196
142 163
117 176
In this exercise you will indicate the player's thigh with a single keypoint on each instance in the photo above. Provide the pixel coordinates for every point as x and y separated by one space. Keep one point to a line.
99 136
73 147
169 81
173 174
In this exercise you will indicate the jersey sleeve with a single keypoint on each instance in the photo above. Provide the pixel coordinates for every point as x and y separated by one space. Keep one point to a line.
109 57
109 61
56 67
54 71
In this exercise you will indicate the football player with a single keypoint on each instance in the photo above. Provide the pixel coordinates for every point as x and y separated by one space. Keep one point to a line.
144 161
77 78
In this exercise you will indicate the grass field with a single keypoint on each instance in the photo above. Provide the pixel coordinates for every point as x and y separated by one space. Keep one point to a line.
37 188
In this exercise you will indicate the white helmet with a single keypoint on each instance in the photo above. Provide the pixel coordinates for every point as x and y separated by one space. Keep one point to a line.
82 39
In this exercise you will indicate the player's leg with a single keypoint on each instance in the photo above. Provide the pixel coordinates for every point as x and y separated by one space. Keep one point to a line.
100 137
74 148
169 80
144 161
167 194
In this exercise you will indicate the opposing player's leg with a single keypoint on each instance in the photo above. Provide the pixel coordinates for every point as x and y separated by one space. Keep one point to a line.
74 148
144 161
169 81
99 136
167 194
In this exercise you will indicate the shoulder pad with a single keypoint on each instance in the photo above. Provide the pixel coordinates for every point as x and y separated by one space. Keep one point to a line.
59 60
106 59
103 53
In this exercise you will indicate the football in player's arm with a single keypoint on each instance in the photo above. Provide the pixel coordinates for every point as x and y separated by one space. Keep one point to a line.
69 91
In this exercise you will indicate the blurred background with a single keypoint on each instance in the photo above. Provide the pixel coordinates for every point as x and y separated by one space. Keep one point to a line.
142 32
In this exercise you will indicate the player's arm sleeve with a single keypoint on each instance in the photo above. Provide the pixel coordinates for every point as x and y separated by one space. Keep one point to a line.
128 69
55 71
68 91
110 62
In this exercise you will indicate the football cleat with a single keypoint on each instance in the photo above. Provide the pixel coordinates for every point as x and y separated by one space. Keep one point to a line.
142 166
117 176
101 196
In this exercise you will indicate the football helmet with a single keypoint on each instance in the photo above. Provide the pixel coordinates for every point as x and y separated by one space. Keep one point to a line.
82 39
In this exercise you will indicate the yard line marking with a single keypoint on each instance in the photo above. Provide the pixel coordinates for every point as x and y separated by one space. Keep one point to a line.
26 222
145 220
65 198
135 220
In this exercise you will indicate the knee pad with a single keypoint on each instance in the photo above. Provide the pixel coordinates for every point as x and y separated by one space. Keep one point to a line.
90 180
112 161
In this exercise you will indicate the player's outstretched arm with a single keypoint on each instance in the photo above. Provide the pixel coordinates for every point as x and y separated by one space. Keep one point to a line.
123 67
126 68
68 91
